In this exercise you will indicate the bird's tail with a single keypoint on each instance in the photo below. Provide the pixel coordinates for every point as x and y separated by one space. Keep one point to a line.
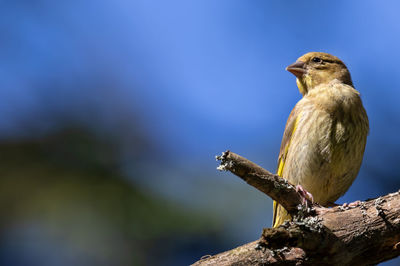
280 215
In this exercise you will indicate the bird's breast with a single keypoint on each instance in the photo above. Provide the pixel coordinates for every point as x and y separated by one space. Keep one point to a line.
327 147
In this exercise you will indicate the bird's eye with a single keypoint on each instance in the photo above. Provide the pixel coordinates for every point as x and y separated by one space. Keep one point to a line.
316 59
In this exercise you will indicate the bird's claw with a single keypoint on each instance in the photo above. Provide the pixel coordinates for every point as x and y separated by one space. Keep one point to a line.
305 195
351 204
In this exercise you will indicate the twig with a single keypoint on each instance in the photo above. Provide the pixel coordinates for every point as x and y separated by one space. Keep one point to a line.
272 185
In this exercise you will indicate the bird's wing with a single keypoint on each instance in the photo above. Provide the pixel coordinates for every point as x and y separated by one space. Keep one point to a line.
290 128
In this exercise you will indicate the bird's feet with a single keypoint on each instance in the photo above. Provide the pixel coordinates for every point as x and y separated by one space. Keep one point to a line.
351 204
344 205
305 195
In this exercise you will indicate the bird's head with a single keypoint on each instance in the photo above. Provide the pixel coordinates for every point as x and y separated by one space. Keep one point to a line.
316 68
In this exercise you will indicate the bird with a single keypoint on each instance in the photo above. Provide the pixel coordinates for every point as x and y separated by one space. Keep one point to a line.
326 133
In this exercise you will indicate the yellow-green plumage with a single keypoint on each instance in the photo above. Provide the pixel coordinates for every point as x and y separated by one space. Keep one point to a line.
325 135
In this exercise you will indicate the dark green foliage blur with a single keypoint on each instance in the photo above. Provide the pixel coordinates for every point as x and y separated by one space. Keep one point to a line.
63 198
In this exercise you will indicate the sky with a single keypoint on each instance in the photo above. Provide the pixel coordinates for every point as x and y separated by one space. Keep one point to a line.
197 78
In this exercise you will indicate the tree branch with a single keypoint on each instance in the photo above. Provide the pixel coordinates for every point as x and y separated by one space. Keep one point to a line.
277 188
363 235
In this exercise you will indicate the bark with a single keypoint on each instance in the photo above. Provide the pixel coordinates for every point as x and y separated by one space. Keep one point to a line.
363 235
270 184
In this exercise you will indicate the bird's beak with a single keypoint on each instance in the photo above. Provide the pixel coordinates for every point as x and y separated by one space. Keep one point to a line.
297 68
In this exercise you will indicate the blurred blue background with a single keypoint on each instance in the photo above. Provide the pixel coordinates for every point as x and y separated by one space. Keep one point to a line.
111 113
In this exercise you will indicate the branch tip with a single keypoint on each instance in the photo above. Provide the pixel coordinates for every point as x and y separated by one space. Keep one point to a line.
225 164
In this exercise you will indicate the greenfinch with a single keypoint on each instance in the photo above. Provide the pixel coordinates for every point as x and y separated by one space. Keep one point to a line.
325 135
